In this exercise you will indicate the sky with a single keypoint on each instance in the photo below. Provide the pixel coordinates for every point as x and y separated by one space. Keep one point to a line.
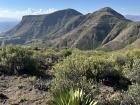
18 8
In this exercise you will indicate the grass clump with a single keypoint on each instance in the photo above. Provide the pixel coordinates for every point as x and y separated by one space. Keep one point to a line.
72 97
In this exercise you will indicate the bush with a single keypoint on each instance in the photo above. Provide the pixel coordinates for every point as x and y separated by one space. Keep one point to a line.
17 60
134 72
79 71
135 53
94 72
133 95
58 52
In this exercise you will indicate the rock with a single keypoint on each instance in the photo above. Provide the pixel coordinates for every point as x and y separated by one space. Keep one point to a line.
3 96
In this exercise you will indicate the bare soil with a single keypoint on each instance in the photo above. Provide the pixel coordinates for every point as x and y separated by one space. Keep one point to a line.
21 90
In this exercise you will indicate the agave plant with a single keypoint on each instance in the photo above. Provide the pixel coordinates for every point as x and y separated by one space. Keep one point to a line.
72 97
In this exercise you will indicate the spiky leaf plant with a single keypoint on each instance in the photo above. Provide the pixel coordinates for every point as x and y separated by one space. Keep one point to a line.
72 97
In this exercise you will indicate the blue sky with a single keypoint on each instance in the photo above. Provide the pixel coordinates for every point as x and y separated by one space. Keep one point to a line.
18 8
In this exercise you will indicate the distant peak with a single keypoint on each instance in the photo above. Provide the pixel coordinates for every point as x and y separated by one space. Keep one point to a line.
111 11
106 9
70 10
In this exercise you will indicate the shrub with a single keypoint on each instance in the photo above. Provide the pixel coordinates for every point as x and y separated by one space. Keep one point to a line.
120 60
79 70
135 53
57 52
133 72
133 95
17 60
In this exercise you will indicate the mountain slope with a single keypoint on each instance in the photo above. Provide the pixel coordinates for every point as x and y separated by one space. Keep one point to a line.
94 31
104 29
45 25
126 37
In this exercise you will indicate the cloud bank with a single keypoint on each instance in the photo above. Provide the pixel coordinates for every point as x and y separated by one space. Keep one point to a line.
17 14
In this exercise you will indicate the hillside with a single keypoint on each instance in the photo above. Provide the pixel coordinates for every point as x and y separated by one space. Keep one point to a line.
126 37
44 26
38 76
95 30
103 29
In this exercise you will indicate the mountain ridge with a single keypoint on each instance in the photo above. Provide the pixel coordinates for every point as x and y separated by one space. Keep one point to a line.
102 29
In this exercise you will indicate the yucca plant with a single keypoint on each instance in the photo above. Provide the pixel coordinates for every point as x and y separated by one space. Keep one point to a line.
72 97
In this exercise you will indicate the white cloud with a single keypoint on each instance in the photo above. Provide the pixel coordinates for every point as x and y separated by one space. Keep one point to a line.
19 13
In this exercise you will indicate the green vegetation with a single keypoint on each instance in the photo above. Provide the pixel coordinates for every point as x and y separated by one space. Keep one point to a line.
16 60
77 77
72 98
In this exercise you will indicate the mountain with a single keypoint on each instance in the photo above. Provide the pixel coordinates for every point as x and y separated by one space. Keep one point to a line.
95 30
34 27
7 25
103 29
133 17
127 36
46 25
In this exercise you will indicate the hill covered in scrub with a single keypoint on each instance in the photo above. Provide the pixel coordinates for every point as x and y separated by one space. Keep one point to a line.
51 76
103 29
